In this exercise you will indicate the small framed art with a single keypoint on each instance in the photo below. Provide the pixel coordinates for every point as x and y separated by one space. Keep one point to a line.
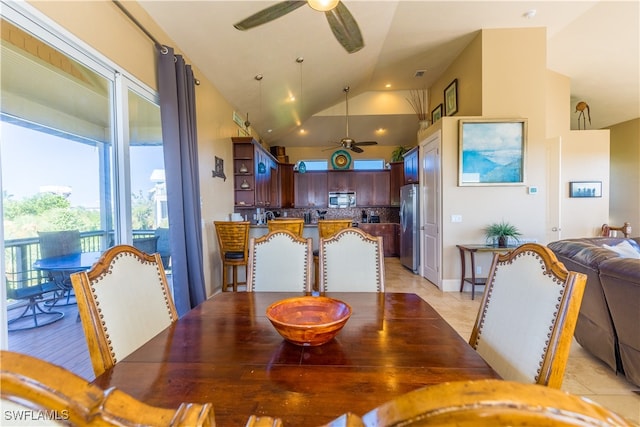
451 98
585 189
436 114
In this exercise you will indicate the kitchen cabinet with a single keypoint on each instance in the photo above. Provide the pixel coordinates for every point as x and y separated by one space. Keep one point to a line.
341 180
396 180
372 188
411 166
390 233
255 174
311 189
286 184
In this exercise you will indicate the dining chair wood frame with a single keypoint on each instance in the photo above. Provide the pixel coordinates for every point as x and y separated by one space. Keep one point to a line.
527 315
351 261
279 261
123 301
295 225
31 384
479 403
607 230
233 242
327 228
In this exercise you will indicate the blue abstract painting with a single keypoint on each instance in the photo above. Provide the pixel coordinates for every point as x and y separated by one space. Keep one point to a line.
492 152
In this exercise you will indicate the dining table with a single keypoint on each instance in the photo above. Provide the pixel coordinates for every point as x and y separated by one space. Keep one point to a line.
225 351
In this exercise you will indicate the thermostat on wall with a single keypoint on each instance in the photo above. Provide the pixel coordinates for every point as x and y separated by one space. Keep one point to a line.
532 190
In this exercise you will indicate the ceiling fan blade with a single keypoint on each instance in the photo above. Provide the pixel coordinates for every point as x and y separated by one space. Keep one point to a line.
269 14
345 28
365 143
356 149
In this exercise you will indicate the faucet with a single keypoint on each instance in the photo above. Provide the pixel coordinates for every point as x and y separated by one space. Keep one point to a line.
268 215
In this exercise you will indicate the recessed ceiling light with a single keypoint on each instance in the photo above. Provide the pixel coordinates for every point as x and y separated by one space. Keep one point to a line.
302 131
530 14
388 85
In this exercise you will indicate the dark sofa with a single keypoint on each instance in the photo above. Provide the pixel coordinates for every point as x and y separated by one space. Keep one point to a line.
609 321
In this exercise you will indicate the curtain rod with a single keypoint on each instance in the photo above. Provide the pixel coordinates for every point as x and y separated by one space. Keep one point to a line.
159 45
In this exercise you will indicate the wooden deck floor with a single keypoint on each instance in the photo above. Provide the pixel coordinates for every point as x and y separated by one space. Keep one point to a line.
62 342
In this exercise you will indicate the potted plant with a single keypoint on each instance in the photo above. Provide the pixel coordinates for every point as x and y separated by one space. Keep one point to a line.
396 155
501 231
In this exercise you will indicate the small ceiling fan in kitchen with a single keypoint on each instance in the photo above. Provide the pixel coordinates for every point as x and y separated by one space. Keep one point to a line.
342 23
347 142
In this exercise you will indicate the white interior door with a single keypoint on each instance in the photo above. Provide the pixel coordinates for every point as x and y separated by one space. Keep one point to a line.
430 209
554 190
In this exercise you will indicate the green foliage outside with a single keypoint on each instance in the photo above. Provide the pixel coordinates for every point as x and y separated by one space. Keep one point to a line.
52 212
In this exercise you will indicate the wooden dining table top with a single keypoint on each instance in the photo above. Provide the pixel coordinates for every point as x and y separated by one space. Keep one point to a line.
225 351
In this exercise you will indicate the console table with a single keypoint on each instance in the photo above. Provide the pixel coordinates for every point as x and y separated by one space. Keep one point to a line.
472 249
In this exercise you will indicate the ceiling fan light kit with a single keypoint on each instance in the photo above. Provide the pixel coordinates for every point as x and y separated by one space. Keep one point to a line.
322 5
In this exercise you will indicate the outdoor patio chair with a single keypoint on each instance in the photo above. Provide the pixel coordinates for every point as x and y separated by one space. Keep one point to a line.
56 244
29 287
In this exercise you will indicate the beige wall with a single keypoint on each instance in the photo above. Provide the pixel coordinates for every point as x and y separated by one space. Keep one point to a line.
625 175
101 25
514 83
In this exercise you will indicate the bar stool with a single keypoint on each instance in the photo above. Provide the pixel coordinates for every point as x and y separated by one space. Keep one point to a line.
233 240
327 228
295 225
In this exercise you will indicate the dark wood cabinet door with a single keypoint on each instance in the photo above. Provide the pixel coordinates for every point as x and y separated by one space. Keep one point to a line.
395 182
285 177
372 188
411 166
390 233
311 190
341 180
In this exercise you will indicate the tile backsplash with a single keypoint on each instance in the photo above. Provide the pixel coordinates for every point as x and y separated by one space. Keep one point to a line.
386 214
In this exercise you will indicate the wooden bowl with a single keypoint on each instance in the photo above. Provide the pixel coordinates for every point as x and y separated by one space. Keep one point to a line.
308 320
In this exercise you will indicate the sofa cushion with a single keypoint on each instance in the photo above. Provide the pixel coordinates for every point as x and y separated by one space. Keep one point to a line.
625 249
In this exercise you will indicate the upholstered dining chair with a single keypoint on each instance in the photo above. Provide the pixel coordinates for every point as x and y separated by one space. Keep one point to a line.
295 225
327 228
233 242
351 261
62 398
279 261
527 315
123 301
56 244
476 403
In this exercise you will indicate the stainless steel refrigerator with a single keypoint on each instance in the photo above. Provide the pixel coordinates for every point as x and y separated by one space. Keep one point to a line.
409 227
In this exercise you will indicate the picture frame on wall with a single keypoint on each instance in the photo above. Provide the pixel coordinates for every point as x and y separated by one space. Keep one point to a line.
436 114
492 152
451 98
585 189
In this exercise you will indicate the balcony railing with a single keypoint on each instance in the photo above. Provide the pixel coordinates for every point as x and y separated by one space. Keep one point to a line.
20 254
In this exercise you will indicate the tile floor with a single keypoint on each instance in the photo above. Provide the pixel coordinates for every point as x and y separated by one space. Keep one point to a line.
585 375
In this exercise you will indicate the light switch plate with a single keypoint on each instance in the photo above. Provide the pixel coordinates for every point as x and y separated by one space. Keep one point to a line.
456 218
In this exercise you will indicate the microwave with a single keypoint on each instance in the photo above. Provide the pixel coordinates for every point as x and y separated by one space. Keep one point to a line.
345 199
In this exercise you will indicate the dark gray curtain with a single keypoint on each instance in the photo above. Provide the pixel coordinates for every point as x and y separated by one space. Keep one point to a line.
176 87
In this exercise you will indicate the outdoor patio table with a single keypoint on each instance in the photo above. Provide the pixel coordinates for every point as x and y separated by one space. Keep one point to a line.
61 267
226 351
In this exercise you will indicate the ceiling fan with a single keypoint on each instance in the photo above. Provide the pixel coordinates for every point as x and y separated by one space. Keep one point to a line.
347 142
344 26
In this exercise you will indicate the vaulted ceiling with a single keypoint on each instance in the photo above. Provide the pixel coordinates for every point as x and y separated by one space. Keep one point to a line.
595 43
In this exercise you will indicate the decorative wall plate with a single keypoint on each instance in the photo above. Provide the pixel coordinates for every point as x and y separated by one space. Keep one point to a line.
341 160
